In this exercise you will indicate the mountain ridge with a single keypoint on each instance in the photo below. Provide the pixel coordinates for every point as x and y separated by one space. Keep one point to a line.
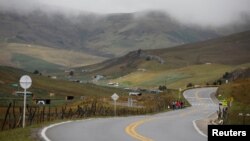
106 36
229 50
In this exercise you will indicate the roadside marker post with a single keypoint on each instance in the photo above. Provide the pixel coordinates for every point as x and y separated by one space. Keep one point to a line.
115 97
25 83
180 93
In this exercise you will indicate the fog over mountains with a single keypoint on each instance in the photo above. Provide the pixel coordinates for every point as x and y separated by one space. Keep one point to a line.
199 12
108 34
105 35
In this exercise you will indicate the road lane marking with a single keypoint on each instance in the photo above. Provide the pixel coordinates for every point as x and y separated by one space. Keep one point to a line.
131 130
46 128
198 129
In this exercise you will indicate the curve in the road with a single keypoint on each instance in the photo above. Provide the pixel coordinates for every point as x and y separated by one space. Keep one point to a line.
174 125
131 130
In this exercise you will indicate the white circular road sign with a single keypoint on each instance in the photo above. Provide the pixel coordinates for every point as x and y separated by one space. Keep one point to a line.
25 81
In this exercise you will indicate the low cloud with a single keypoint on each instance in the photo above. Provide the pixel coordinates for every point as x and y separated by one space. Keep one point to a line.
201 12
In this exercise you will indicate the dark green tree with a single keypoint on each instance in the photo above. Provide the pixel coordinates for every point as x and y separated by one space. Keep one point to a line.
36 72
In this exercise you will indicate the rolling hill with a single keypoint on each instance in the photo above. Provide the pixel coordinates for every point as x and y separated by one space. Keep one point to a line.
45 59
51 42
236 92
42 86
198 62
100 35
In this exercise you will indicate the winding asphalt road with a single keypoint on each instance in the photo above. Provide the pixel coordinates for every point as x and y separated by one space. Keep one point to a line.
175 125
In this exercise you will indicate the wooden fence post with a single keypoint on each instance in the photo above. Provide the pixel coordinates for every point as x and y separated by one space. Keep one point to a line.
49 114
14 114
6 115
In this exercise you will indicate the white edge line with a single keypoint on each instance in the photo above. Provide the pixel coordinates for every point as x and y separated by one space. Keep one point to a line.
46 128
194 121
197 129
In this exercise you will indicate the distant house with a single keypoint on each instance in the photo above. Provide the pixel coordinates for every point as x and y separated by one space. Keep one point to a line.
127 89
111 83
53 77
69 97
155 91
135 94
70 70
85 70
98 77
41 101
143 70
114 84
51 94
75 80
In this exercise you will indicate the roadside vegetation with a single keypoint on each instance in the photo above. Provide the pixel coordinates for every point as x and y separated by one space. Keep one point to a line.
18 134
91 107
43 86
175 78
89 101
237 92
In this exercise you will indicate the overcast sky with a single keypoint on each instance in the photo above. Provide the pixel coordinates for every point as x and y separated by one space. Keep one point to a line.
203 12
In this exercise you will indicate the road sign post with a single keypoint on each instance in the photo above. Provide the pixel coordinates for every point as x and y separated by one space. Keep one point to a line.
25 82
180 93
130 102
115 97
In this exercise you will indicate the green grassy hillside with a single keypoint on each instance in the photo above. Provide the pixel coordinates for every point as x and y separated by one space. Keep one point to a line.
237 92
42 86
197 63
45 59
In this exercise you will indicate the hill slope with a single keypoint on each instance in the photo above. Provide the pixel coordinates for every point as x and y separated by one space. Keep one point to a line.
229 50
188 62
45 59
102 35
237 92
42 86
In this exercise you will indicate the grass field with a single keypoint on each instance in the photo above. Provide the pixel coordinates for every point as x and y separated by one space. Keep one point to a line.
159 103
229 51
12 52
18 134
42 86
28 133
176 78
31 63
237 91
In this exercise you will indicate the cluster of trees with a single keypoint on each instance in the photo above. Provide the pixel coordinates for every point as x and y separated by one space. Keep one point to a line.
162 88
190 85
220 81
37 72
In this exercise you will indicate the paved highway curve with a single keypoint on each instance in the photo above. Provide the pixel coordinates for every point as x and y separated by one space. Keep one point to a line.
175 125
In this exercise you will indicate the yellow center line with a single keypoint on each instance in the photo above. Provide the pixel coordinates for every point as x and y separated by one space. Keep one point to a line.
131 130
